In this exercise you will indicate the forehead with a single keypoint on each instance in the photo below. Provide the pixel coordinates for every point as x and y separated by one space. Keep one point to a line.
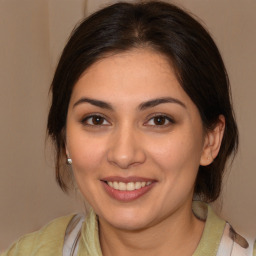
130 76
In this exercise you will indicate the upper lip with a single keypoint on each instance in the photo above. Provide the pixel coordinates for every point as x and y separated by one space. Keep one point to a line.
127 179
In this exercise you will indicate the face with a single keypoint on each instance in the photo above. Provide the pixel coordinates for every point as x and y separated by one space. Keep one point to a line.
135 138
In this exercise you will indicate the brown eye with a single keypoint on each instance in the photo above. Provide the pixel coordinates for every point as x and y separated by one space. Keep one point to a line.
160 120
95 120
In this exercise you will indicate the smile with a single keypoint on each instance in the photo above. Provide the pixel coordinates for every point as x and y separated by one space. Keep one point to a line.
130 186
127 189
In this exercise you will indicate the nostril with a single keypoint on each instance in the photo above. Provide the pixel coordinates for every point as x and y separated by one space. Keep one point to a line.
124 157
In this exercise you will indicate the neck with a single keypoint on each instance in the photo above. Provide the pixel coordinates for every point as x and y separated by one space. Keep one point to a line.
167 237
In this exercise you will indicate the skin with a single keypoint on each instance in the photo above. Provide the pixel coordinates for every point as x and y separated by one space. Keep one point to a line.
128 141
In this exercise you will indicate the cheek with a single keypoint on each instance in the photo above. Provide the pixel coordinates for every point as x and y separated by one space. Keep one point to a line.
177 153
87 153
87 156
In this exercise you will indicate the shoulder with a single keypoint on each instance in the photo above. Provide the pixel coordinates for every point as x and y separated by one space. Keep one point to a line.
219 238
46 241
235 244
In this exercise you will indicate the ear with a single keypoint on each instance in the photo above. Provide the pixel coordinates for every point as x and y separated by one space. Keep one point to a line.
66 149
64 138
67 152
212 142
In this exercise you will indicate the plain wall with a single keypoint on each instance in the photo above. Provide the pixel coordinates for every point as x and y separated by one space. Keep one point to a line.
33 34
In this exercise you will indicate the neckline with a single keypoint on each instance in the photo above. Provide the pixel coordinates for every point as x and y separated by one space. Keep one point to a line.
208 245
213 230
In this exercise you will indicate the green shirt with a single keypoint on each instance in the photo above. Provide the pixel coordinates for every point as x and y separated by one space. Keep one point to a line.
50 239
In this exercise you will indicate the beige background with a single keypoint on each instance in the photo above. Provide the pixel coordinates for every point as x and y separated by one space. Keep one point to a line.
32 36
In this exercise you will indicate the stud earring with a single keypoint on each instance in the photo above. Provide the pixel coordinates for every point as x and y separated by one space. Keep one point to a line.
69 161
210 156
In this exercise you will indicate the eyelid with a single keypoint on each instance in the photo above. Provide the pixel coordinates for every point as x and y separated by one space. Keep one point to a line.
91 115
168 117
150 117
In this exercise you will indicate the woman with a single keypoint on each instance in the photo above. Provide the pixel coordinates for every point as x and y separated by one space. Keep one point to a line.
142 121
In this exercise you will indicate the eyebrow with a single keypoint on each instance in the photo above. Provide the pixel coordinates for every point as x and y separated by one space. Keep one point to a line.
155 102
97 103
142 106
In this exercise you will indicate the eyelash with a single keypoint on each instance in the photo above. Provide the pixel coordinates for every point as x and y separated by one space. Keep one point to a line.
84 120
165 118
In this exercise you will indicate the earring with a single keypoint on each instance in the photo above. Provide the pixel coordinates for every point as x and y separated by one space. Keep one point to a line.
69 161
209 156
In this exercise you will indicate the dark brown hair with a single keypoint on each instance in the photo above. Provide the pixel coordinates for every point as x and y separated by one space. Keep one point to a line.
168 30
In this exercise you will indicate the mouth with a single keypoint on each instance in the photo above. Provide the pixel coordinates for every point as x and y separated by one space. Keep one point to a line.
127 189
130 186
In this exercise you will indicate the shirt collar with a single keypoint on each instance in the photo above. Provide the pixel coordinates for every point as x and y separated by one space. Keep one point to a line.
90 245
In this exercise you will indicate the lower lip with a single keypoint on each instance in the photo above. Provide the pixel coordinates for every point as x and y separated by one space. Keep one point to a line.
127 196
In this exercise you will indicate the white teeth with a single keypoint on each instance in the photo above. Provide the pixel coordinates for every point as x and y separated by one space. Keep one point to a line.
115 185
122 186
130 186
138 185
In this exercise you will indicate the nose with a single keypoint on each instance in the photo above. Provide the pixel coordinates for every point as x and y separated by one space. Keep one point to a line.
125 149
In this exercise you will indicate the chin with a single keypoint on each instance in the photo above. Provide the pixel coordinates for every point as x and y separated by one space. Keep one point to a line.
134 225
128 220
